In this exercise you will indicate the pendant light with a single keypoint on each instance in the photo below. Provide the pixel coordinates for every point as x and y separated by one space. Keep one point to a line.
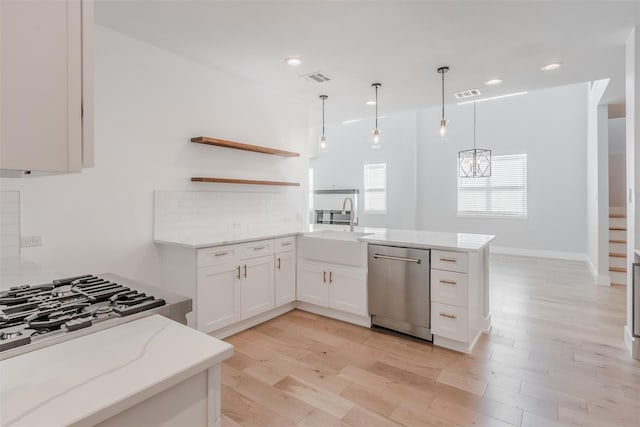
323 137
376 131
443 122
476 162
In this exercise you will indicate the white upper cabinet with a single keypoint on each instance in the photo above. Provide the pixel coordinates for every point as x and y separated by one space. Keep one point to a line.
46 85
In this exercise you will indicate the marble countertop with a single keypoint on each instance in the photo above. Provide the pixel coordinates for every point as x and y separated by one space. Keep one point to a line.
92 378
383 236
430 239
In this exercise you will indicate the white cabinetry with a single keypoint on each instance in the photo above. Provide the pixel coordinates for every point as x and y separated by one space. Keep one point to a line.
333 286
459 298
285 267
234 283
46 85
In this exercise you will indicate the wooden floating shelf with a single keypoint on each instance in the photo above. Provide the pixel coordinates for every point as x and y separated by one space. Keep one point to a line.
245 147
245 181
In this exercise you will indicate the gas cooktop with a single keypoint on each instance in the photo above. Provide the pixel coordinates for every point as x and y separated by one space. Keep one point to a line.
31 313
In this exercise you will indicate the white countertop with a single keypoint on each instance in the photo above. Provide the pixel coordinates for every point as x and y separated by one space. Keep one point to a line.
382 236
91 378
205 240
430 239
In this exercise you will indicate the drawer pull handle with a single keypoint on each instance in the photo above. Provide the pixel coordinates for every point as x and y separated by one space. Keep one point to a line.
448 259
257 248
448 282
238 272
222 253
450 316
285 244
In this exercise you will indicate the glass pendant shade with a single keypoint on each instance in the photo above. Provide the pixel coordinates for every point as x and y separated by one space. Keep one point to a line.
376 138
474 163
323 143
443 128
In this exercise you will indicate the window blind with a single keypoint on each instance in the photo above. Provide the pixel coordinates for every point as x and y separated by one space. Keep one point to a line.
375 187
504 193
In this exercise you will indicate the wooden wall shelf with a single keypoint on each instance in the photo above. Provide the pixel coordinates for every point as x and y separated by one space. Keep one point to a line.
246 147
245 181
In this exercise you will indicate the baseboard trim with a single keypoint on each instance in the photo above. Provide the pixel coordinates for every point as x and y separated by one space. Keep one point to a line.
571 256
253 321
335 314
632 343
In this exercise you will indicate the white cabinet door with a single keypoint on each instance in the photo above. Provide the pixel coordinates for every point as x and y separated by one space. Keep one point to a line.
312 285
258 289
348 290
218 296
43 86
285 278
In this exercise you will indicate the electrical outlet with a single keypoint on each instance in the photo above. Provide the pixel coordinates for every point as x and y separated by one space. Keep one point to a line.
29 241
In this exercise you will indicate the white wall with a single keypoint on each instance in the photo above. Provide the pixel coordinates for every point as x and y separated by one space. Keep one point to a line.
349 148
617 163
550 126
149 102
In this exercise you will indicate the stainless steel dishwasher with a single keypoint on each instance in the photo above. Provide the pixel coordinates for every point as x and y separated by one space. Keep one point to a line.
399 289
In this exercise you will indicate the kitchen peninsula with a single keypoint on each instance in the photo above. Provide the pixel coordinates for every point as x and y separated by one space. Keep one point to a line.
258 275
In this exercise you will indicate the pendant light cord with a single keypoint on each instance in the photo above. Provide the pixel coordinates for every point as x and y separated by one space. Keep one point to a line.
474 126
323 116
376 107
442 95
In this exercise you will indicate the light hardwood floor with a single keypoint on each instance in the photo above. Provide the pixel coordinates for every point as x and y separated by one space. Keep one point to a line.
555 356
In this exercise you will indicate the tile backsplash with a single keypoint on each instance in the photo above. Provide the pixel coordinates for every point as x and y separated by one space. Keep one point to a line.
180 213
9 223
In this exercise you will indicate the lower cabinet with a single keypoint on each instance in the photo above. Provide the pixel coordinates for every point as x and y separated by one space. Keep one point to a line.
285 276
257 286
333 286
218 296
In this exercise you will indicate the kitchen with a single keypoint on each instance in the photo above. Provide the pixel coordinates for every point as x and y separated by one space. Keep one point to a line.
155 90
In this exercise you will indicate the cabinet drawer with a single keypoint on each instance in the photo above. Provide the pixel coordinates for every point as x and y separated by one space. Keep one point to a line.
286 244
449 287
213 256
450 261
449 321
256 249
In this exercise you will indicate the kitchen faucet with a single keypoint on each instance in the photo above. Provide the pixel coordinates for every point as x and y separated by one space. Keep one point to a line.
344 211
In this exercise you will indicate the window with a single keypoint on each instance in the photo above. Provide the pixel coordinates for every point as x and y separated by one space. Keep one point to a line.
504 193
375 188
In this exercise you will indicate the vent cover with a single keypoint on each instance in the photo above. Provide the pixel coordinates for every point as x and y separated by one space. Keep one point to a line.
467 93
316 77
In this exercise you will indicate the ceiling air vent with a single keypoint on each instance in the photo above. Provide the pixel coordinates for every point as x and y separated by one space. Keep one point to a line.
316 77
467 93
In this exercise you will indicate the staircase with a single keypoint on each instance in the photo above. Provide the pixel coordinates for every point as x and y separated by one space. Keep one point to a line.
618 245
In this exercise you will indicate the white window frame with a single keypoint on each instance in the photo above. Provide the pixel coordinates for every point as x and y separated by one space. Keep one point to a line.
490 188
370 189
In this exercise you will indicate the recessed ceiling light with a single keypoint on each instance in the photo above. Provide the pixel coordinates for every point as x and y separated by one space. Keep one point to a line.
550 67
294 62
493 82
371 102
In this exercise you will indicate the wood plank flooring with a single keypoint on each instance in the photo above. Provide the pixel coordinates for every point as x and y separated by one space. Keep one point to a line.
555 357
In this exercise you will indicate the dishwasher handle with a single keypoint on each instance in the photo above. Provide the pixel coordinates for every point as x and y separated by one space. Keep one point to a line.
397 258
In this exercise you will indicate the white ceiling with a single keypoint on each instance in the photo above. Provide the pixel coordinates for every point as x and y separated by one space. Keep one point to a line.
394 42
